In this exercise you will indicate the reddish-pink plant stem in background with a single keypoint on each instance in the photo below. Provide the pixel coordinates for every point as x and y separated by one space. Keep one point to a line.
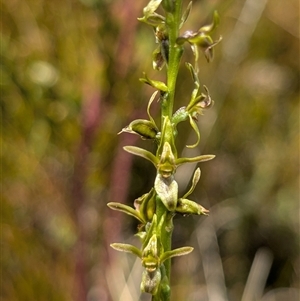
89 124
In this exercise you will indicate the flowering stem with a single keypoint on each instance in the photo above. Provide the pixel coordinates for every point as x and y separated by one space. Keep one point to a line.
174 58
155 210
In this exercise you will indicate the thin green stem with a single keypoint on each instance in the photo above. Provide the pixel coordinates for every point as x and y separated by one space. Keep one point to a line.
166 237
175 53
173 18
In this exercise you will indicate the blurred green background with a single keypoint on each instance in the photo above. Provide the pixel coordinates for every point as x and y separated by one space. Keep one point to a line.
69 84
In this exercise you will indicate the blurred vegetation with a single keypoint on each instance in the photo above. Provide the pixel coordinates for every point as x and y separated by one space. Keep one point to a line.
69 83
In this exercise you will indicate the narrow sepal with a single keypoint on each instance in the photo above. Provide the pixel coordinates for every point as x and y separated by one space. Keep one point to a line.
186 14
202 158
196 178
141 153
194 74
127 248
213 25
209 51
126 209
195 128
195 51
149 105
176 252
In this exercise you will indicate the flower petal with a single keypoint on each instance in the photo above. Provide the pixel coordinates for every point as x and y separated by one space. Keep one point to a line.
141 153
186 14
126 209
202 158
195 127
127 248
213 25
176 252
167 191
195 180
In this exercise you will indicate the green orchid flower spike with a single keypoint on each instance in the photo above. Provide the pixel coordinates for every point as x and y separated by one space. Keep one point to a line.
156 209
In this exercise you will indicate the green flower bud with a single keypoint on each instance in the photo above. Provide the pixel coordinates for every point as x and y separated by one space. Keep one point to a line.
165 289
145 128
